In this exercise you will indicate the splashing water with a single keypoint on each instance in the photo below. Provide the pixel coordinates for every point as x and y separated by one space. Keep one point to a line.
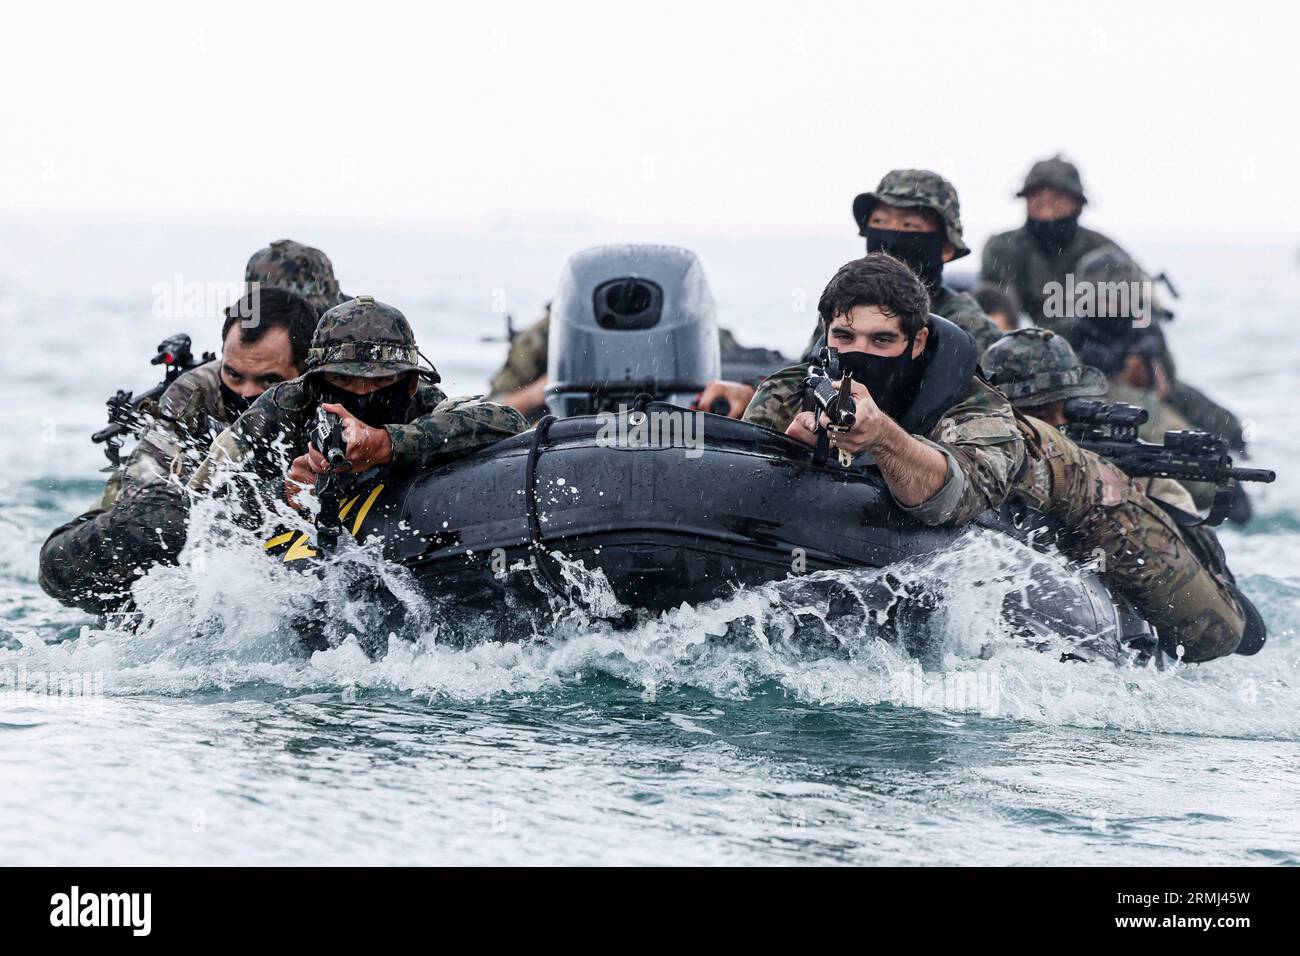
786 722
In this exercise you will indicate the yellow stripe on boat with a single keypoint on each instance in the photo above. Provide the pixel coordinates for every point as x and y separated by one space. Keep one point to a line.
365 510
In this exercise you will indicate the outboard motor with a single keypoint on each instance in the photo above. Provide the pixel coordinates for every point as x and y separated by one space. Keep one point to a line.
628 320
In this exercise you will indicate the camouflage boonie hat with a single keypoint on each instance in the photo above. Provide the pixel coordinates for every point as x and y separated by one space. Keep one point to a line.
364 338
915 188
1058 173
1036 367
290 265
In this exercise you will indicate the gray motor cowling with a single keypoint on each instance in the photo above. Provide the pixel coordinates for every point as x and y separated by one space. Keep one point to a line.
628 320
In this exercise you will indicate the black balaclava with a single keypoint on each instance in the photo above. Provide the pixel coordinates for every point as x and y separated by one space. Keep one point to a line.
890 379
1053 235
922 251
234 403
386 406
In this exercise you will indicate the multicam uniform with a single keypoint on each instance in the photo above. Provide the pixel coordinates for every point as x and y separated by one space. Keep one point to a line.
978 436
1146 557
1176 579
91 561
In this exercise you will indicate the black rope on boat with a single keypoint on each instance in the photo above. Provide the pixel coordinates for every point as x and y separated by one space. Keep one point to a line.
534 519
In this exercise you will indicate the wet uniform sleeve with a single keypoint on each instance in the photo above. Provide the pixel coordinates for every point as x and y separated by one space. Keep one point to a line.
453 427
985 453
264 439
778 399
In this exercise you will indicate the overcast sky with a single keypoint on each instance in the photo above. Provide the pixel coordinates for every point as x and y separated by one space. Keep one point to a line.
726 117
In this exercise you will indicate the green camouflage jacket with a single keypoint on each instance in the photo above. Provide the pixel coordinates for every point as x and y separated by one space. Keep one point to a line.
275 430
978 435
1012 260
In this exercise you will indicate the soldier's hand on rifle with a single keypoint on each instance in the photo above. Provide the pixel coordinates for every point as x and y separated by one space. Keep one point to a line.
865 428
366 446
862 434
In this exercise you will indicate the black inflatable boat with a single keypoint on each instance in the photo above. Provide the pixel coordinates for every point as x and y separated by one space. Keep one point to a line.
669 505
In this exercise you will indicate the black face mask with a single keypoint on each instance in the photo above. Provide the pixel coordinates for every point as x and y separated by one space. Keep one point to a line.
1053 235
385 406
234 403
922 251
890 379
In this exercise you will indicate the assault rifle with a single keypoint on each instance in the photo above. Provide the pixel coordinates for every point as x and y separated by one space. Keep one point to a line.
1111 431
821 397
331 487
124 408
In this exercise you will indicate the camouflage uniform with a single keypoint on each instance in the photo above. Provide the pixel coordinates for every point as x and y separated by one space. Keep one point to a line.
922 189
1147 558
1013 260
91 561
367 339
302 269
526 360
978 436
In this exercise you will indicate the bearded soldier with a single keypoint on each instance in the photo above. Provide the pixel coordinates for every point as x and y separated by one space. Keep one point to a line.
946 454
92 561
914 216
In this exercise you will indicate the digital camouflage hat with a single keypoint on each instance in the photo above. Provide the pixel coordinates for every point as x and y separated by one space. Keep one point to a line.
290 265
364 338
1058 173
916 188
1036 367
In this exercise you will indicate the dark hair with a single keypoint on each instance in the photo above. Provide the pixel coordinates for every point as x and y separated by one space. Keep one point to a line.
881 280
274 308
992 299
